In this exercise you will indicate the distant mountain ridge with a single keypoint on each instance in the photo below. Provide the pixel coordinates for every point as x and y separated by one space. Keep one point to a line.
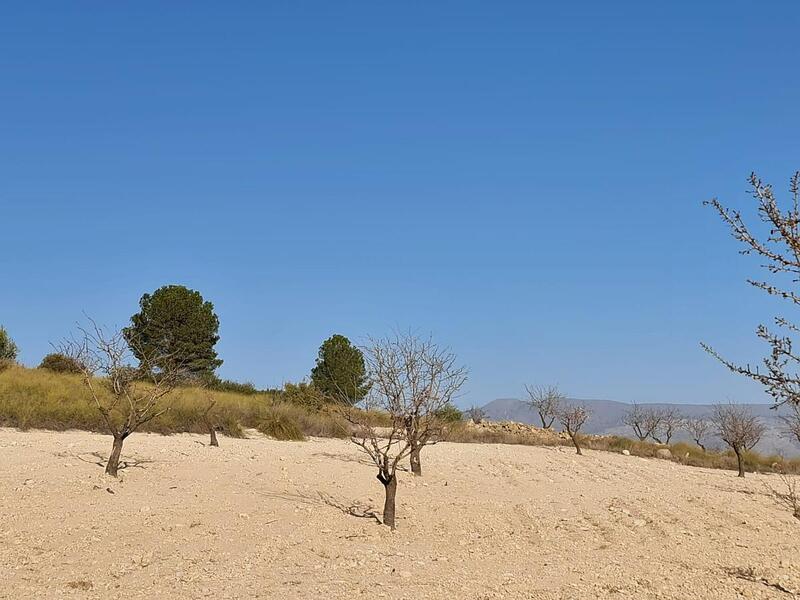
606 419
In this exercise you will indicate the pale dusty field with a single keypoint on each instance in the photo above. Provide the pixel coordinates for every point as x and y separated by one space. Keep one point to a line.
247 520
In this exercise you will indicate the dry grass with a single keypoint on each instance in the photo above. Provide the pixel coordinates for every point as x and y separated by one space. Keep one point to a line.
682 452
692 455
41 399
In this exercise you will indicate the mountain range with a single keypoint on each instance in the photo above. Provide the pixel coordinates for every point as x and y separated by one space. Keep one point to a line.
606 419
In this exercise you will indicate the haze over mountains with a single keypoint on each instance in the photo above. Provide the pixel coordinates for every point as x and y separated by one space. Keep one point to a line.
607 415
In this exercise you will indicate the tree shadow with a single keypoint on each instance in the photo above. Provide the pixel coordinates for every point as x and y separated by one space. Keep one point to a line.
362 460
100 460
353 509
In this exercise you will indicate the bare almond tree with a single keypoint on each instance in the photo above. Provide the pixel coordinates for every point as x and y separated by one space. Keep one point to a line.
411 380
546 401
208 419
124 401
386 450
698 428
475 414
667 421
643 420
738 428
428 380
777 242
572 419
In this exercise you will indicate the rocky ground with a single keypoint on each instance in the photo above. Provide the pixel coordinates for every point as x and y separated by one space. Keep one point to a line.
257 518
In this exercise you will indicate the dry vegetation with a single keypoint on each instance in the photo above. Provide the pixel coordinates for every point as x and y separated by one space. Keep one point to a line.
40 399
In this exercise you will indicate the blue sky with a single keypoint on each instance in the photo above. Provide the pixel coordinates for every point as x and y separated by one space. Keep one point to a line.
522 180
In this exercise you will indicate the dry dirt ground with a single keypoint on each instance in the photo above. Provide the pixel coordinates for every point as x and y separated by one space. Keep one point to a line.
257 518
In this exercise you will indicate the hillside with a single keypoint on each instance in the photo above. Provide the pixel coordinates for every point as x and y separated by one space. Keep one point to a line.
258 518
606 418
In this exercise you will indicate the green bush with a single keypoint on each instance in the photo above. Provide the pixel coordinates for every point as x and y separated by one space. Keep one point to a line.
235 387
281 427
60 363
449 414
304 394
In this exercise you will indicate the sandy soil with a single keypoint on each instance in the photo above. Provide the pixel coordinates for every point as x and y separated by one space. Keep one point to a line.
257 518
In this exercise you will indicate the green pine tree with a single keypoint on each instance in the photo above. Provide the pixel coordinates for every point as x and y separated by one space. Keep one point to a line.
175 328
340 371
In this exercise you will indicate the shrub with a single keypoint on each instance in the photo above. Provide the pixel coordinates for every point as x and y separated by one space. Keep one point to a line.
449 414
8 349
60 363
304 394
236 387
281 427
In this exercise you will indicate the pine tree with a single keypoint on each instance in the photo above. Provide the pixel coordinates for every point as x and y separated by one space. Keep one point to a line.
176 325
340 371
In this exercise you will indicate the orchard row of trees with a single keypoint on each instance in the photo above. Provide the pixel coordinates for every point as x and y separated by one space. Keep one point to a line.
409 379
552 406
734 424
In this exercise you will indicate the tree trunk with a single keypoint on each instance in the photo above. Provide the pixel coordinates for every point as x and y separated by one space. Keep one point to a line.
574 437
214 441
416 465
702 447
740 460
113 461
390 487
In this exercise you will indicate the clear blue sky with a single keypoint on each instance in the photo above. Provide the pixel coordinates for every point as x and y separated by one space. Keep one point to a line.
523 180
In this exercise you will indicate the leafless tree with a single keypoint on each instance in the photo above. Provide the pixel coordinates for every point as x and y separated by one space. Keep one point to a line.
124 400
572 419
778 244
426 379
546 401
643 420
667 421
208 419
476 414
698 428
738 428
411 380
